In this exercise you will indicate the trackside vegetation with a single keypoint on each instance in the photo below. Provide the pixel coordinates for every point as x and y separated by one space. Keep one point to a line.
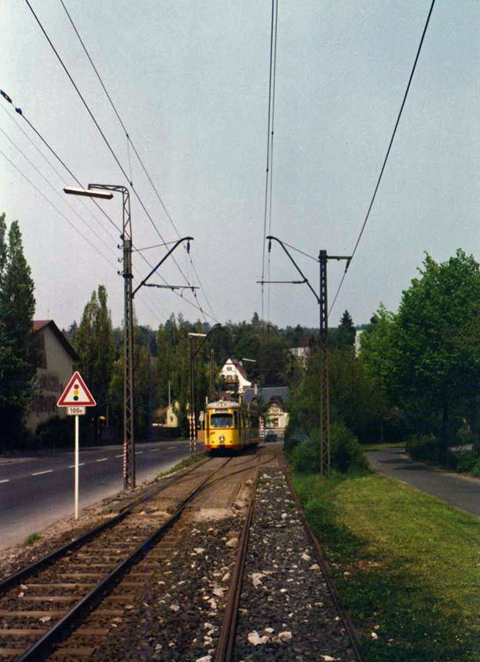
407 566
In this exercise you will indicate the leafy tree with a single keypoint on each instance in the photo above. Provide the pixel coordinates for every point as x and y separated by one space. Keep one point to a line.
435 343
94 342
17 351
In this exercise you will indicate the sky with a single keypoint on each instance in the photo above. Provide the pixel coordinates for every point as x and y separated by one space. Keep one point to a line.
190 81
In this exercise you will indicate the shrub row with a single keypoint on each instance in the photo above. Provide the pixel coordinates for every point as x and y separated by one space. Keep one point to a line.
346 451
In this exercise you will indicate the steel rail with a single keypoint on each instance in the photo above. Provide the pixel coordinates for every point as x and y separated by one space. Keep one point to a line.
17 577
347 623
42 648
226 640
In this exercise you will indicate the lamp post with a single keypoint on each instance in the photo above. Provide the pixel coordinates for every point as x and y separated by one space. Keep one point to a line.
192 414
193 354
105 191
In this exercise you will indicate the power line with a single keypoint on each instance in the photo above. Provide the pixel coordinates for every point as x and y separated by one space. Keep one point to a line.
271 103
388 150
129 141
40 192
55 190
50 148
52 167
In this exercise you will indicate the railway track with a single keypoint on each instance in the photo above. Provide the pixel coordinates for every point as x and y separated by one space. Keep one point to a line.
44 603
166 584
282 604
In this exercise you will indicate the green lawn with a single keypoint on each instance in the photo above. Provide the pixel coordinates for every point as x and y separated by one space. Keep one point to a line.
407 566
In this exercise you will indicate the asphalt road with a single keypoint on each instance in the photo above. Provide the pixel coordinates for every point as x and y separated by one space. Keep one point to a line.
38 489
460 491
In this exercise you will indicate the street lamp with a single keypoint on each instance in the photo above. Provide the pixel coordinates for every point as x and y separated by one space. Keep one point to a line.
192 413
105 192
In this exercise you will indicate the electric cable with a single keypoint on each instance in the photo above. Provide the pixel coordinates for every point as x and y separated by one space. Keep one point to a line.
44 141
97 124
40 192
372 201
269 128
52 167
130 143
56 191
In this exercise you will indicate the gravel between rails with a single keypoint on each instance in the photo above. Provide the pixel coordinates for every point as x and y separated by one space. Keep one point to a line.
179 615
286 610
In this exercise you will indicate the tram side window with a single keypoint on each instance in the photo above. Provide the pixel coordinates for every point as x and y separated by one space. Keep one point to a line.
221 421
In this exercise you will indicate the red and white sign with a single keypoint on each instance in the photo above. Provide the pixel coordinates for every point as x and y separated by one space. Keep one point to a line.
76 394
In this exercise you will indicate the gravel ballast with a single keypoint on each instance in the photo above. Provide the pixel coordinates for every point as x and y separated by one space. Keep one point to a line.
286 609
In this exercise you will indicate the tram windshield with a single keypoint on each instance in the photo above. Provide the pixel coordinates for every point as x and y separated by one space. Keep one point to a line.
221 421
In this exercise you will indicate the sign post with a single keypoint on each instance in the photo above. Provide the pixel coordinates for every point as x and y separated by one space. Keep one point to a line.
76 398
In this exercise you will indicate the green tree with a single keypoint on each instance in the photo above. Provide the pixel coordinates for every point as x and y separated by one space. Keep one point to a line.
94 342
18 357
435 344
343 337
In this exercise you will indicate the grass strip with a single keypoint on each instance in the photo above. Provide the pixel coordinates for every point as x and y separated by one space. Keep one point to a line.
406 565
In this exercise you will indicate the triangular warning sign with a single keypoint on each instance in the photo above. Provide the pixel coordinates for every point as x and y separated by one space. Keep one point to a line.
76 394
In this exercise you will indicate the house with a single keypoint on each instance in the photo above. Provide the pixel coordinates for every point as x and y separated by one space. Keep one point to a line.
166 417
165 422
235 376
301 355
56 358
274 399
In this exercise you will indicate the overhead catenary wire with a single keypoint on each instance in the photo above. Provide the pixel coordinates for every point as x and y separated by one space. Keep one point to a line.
105 139
64 165
131 144
380 177
56 171
49 184
40 192
270 115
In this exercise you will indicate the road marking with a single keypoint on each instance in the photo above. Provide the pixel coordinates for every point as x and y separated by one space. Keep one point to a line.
155 450
138 452
6 480
169 448
80 464
119 455
103 459
40 473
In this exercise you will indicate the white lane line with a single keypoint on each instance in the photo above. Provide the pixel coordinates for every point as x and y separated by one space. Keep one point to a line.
40 473
169 448
103 459
138 452
155 450
6 480
119 455
80 464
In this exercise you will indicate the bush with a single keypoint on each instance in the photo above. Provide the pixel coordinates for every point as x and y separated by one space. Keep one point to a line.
424 447
346 452
55 433
306 456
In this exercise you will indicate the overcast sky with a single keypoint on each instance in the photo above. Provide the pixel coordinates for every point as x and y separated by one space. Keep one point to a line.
190 81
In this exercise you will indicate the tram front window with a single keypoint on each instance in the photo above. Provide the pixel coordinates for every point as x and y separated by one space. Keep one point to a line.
221 421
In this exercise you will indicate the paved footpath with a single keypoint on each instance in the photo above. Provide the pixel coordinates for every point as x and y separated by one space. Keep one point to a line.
460 491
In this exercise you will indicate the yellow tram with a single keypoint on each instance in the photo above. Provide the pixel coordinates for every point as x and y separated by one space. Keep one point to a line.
230 426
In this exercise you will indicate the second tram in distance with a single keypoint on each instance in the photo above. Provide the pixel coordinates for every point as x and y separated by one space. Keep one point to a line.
229 426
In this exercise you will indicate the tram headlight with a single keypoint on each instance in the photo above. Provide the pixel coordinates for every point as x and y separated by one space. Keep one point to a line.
222 437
